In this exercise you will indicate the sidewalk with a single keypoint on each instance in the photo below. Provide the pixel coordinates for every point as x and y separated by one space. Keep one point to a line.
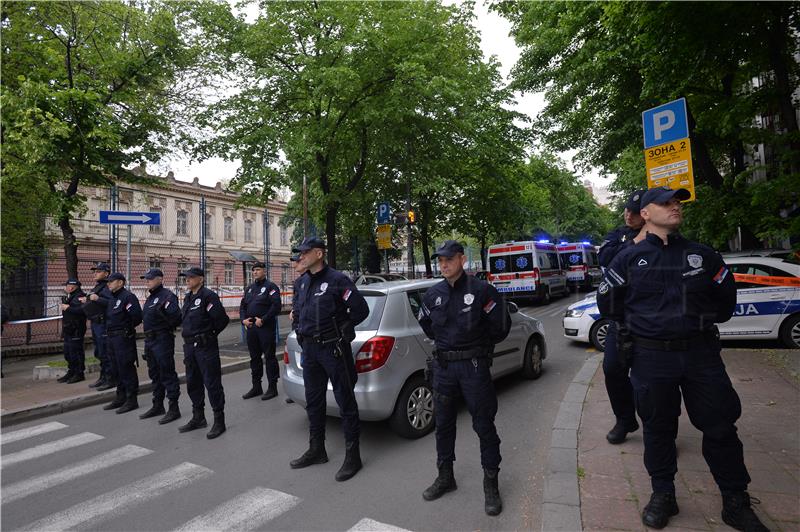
614 486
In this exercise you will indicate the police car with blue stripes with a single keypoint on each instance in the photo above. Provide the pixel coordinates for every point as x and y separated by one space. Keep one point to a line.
767 305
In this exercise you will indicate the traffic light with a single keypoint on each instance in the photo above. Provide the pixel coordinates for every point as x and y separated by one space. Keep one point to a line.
412 217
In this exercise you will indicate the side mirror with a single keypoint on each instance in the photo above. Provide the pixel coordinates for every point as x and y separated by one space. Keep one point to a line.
512 307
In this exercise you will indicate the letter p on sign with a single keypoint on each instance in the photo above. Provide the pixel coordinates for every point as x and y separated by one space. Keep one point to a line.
665 123
662 121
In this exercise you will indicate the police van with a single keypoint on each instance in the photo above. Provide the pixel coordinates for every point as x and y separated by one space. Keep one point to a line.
527 269
579 260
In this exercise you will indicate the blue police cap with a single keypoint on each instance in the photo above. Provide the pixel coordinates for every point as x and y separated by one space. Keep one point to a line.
194 271
634 201
258 265
116 276
73 282
309 244
294 258
102 266
152 273
448 248
663 195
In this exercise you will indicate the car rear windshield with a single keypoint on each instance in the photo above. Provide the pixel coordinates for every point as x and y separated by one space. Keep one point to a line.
518 262
376 302
576 258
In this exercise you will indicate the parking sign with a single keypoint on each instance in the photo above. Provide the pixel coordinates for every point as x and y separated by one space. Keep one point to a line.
384 213
665 123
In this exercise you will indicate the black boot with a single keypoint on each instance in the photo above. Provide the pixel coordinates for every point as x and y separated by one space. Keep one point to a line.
99 382
118 401
620 431
352 462
198 421
131 403
76 377
65 377
172 414
444 482
737 512
156 410
661 507
491 493
219 425
107 385
272 391
314 455
255 391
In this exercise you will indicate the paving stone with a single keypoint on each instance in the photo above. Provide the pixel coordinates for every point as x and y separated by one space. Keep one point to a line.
564 438
560 517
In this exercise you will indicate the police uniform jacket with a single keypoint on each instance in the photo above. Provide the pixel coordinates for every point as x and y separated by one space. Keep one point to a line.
667 291
326 297
203 313
262 299
469 314
123 312
161 310
96 310
297 304
74 320
615 241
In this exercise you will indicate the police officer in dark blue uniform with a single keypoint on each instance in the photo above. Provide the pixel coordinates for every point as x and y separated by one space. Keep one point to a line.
123 314
258 311
466 317
74 328
670 292
615 370
96 312
162 314
204 318
330 308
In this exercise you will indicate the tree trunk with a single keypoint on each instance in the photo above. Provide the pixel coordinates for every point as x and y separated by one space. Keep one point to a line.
423 239
703 163
70 246
330 231
483 253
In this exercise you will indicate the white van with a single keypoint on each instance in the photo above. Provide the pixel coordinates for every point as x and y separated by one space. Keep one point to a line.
579 259
527 269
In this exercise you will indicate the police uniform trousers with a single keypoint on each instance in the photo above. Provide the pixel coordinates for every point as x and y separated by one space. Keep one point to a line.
123 356
204 369
319 366
659 379
101 350
261 340
618 383
74 352
159 352
472 380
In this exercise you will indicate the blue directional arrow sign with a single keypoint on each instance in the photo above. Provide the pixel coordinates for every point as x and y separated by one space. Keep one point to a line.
130 218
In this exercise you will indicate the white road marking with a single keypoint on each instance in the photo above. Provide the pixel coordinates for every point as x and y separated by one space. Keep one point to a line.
370 525
70 473
248 511
49 448
30 432
122 499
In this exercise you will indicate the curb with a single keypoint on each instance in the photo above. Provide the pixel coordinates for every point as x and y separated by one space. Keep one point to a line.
561 503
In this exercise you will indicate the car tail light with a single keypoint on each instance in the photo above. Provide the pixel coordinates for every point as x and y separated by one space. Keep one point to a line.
286 355
374 353
536 274
489 277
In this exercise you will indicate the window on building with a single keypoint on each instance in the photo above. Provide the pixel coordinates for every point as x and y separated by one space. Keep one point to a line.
155 229
228 228
248 276
228 273
155 262
248 230
209 270
209 227
284 274
182 223
182 266
284 236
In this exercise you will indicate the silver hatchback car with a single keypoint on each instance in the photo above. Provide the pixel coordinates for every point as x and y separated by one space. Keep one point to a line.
390 351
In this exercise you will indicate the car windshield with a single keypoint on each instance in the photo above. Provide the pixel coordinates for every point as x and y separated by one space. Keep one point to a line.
376 302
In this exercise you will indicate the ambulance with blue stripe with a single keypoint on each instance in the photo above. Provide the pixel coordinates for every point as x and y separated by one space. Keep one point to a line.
527 269
579 260
767 305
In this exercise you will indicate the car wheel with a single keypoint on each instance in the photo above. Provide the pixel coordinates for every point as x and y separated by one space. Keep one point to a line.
790 332
545 297
413 414
532 364
598 333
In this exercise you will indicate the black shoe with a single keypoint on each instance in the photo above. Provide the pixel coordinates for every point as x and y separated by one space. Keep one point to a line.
289 400
107 385
352 462
118 401
255 391
77 377
156 410
443 483
620 431
65 377
272 392
218 427
661 507
130 404
737 512
198 421
172 414
493 503
315 454
100 380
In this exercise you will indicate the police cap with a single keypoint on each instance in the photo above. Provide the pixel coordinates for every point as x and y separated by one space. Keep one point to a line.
448 248
634 201
294 258
72 281
194 271
152 273
309 244
116 276
258 265
663 195
101 266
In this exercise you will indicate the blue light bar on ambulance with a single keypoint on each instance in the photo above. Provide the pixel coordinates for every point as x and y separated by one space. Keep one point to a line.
543 241
587 243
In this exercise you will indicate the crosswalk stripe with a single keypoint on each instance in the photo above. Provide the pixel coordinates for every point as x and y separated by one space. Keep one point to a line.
248 511
48 448
122 499
70 473
370 525
30 432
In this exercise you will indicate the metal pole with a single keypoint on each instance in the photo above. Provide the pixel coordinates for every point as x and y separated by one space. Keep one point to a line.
203 233
409 236
114 229
305 208
128 257
266 243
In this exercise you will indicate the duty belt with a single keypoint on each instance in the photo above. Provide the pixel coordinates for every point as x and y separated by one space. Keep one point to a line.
678 344
322 339
149 335
466 354
117 332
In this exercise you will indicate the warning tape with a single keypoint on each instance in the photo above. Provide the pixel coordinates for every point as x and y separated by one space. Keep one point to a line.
766 280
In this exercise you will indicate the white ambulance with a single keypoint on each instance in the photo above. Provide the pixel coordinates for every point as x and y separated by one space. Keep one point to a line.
527 269
579 259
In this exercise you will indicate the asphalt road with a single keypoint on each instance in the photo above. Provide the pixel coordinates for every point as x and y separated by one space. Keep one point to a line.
94 470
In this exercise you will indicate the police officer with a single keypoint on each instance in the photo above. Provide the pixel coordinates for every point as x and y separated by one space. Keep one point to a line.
204 318
74 325
466 317
329 308
94 307
670 292
123 314
615 370
258 311
294 314
162 314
